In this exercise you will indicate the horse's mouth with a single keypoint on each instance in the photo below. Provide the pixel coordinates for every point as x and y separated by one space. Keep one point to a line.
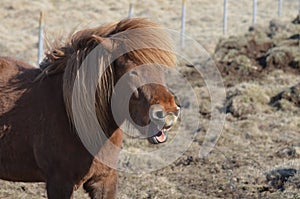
160 137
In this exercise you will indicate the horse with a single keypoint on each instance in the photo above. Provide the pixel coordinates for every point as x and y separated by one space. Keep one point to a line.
39 141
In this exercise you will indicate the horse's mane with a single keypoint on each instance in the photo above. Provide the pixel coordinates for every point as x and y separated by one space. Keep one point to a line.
68 57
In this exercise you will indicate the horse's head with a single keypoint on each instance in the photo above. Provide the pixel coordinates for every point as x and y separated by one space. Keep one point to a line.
141 51
152 106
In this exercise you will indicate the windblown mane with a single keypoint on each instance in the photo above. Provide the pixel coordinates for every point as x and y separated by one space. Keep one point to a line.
68 57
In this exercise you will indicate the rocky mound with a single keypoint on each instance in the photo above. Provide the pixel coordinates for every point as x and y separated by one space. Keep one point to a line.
259 51
287 98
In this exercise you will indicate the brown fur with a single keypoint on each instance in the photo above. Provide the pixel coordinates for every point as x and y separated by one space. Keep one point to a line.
37 138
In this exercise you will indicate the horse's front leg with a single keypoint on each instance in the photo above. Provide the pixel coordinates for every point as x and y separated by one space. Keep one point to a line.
102 187
59 188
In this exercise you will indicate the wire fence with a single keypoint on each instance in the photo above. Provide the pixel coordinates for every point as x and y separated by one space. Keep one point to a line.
204 20
254 13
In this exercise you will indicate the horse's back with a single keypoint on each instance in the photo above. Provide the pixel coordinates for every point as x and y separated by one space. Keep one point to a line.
10 67
15 76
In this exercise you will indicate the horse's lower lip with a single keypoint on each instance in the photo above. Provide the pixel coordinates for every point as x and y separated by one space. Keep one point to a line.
160 137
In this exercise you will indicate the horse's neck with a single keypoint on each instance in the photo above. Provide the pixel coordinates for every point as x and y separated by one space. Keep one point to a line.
109 153
117 137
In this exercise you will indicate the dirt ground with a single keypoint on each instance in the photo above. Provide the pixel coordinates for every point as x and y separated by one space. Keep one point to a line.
257 155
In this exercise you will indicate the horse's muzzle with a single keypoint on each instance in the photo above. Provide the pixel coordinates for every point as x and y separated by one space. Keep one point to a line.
164 121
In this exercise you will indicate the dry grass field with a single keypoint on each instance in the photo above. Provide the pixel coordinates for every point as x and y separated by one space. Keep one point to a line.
257 155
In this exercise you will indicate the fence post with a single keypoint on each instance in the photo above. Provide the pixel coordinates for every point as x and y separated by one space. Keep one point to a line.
130 12
299 8
254 11
225 17
41 38
279 8
182 23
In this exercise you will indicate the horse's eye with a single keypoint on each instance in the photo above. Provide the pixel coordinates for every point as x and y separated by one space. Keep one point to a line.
177 101
133 73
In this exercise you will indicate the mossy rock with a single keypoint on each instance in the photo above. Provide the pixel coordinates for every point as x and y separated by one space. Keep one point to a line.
279 57
230 47
245 100
288 99
243 62
240 106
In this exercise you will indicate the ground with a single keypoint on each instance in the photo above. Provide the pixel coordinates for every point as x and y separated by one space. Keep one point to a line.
257 154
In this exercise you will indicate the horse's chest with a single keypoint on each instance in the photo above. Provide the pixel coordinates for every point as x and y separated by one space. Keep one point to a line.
4 129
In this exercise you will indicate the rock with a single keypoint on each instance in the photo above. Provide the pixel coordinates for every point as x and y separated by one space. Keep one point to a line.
284 57
246 99
284 98
297 150
277 178
185 161
240 105
296 20
286 152
279 57
275 27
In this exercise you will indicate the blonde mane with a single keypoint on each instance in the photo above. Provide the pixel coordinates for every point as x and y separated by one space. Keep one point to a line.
68 58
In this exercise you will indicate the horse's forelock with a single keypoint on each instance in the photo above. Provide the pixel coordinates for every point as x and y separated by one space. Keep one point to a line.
145 41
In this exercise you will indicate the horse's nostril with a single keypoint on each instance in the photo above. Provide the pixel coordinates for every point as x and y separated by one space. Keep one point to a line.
159 114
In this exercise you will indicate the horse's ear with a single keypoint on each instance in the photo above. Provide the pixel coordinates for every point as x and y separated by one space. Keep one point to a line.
105 42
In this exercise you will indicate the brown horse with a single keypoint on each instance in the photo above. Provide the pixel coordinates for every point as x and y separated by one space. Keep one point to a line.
38 140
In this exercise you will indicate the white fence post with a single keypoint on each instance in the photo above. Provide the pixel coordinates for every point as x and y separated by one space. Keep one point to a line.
130 12
225 17
299 8
280 8
254 11
41 38
183 11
